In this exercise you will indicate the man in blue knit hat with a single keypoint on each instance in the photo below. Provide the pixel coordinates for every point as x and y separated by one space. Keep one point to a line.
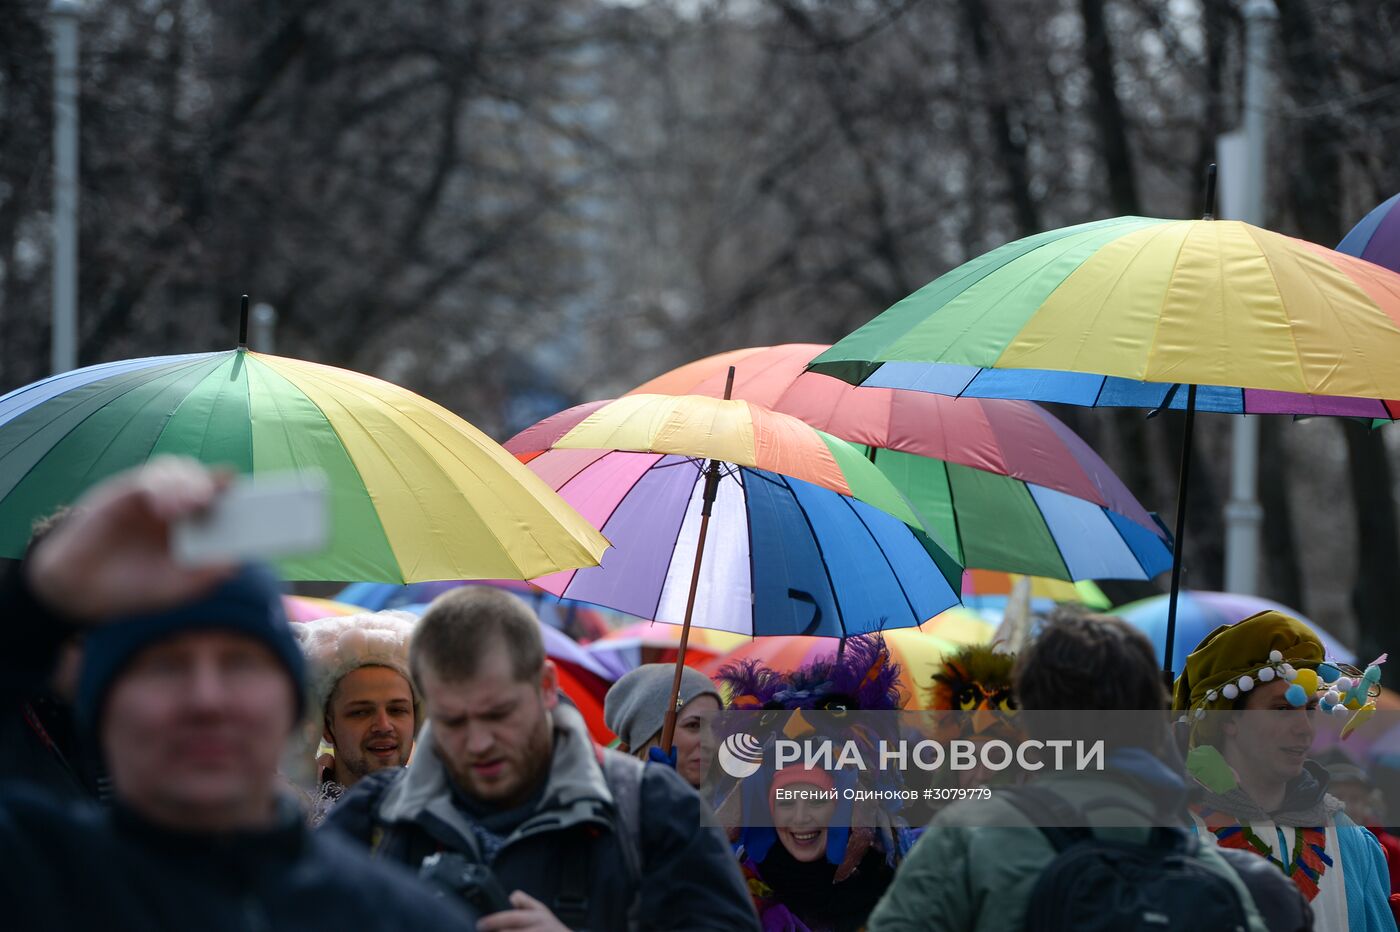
191 685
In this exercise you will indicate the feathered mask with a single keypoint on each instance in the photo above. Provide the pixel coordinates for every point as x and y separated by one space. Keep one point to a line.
973 679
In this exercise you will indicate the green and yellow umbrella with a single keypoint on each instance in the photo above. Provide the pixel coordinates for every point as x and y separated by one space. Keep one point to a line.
416 493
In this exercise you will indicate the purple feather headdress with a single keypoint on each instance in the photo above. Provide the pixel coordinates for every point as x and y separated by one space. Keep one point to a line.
862 677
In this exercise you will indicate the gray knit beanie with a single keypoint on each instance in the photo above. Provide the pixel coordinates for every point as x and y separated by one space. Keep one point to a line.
635 707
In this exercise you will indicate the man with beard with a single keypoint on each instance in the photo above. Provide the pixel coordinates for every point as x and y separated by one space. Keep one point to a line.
512 805
361 688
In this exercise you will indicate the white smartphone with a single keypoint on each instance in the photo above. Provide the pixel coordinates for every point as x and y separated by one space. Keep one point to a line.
264 518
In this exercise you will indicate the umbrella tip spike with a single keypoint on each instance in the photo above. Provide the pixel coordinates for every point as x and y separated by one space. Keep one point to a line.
729 384
1209 213
243 323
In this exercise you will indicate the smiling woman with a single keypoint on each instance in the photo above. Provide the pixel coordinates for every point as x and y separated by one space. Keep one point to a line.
802 810
795 883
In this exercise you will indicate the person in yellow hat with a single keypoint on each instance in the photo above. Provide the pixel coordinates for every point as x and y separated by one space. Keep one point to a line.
1257 788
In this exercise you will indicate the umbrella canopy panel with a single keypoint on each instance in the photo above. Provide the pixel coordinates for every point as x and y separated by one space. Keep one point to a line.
1005 483
416 493
782 556
996 522
1009 438
1211 303
1200 613
656 642
1377 237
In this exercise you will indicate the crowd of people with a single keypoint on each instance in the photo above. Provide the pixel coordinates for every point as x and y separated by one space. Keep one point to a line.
177 755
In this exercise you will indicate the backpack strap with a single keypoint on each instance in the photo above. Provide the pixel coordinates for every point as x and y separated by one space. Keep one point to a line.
570 904
1035 803
1068 824
624 776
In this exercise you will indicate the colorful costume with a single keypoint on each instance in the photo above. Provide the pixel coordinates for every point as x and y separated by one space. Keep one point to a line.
836 892
1338 865
973 679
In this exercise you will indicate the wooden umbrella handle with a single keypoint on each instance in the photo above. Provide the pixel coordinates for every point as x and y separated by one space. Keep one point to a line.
668 730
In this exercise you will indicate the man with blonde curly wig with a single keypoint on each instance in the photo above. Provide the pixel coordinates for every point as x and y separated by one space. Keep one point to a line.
361 686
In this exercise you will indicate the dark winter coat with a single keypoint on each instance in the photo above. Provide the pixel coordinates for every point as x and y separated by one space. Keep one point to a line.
75 866
78 867
574 837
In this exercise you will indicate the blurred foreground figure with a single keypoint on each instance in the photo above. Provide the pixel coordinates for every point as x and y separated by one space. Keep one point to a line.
190 687
510 804
361 698
38 732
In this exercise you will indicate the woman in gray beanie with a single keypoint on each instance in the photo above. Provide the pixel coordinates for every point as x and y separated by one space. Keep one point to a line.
635 711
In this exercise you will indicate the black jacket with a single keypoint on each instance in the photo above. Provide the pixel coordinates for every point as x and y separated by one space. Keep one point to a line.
572 840
76 866
72 865
38 736
38 744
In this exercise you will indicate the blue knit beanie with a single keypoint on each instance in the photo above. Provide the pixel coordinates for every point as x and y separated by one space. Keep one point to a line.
249 603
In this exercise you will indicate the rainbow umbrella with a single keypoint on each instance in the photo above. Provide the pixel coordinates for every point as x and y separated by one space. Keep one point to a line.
1004 483
377 596
656 642
809 536
987 589
580 621
1202 612
1126 311
416 492
1377 237
306 608
918 651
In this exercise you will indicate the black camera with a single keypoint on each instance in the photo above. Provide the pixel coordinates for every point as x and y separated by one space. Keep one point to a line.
474 883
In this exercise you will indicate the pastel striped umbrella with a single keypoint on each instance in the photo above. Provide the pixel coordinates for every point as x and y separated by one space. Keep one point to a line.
656 642
416 493
307 608
1377 237
987 589
1121 312
582 622
807 536
1128 311
1203 612
1005 483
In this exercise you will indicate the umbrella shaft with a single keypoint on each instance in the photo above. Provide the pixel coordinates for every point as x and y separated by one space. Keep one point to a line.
1178 544
668 731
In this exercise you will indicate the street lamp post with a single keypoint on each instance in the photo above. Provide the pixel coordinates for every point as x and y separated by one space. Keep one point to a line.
64 16
1244 516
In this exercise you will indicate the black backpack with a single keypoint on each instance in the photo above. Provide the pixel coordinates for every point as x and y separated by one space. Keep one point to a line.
1095 884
